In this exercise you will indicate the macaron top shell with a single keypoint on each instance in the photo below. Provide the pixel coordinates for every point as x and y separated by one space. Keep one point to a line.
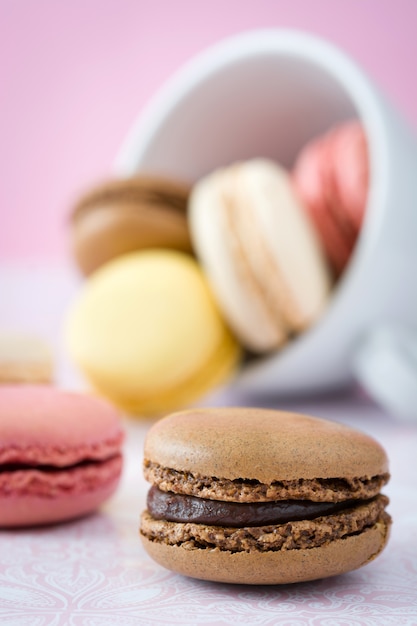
43 425
262 445
122 215
151 189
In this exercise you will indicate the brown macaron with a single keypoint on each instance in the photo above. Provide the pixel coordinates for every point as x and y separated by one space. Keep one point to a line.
123 215
258 496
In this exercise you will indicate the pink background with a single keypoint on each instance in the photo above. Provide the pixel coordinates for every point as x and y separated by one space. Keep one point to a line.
74 75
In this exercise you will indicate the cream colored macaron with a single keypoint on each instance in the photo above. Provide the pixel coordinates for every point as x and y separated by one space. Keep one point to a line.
25 358
260 251
146 332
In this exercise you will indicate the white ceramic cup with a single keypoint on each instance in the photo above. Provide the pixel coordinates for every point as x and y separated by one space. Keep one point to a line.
266 93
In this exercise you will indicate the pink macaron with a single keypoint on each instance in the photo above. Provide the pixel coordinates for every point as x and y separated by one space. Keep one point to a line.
60 454
331 176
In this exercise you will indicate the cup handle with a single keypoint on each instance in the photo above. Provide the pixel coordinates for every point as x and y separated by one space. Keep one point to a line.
386 365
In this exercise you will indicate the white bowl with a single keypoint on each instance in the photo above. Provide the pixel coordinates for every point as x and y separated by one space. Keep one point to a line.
266 93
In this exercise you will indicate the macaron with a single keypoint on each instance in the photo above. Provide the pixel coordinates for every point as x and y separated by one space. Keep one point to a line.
252 496
331 177
60 454
260 252
25 358
122 215
147 334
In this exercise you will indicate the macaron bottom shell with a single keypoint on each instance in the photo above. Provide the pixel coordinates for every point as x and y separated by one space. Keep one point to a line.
273 567
180 393
27 510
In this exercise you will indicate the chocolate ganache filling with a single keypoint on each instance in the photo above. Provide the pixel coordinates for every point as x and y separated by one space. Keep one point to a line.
180 508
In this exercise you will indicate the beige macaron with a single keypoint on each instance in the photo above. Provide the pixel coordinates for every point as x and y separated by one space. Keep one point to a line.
260 251
258 496
25 358
124 215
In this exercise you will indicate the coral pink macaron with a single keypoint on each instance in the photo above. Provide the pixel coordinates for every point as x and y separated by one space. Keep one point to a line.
331 177
60 454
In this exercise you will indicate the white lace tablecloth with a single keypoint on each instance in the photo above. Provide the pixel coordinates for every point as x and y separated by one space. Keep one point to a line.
94 572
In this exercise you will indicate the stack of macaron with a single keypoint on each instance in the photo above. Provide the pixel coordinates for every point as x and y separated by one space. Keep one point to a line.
182 280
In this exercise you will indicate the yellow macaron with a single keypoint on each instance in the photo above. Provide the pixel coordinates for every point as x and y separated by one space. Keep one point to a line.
147 334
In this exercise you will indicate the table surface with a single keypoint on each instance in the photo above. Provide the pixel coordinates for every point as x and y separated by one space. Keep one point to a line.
94 571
